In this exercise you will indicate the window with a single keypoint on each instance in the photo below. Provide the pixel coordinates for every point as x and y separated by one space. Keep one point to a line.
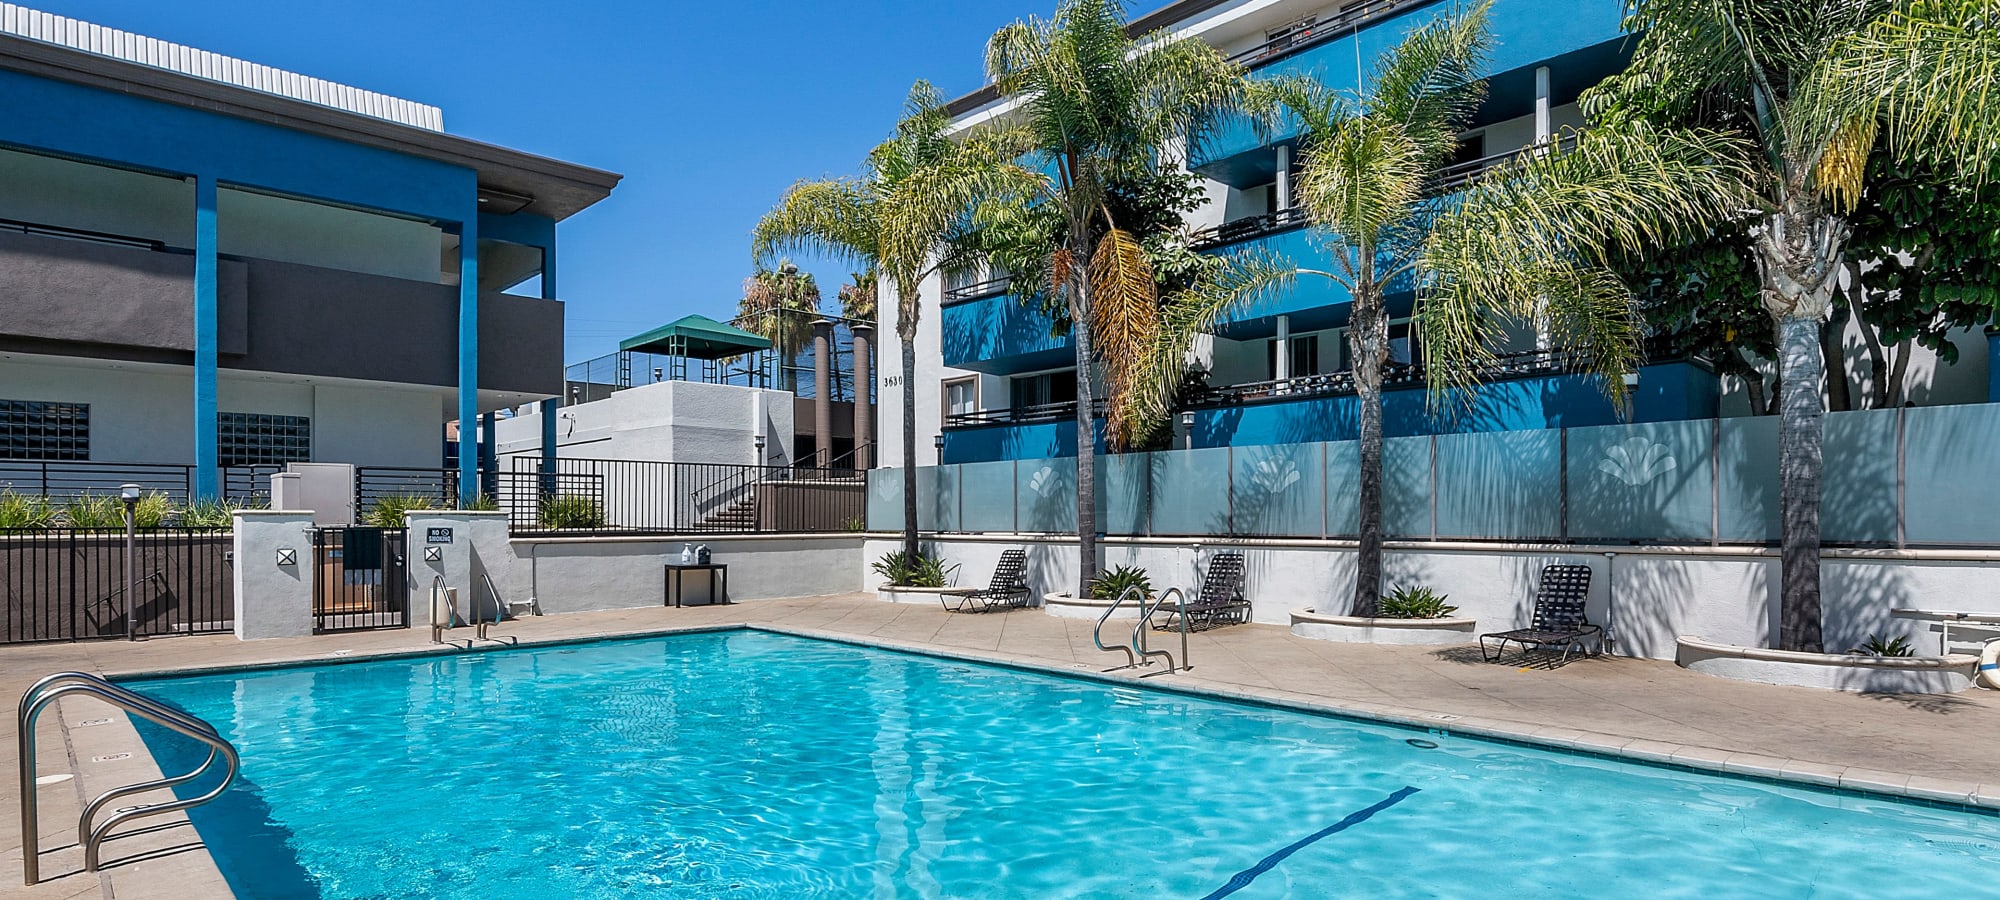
1043 390
1291 33
1305 356
961 396
1471 148
44 431
252 439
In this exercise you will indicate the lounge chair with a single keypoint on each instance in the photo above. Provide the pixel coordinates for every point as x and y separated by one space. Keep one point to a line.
1559 617
1219 601
1009 587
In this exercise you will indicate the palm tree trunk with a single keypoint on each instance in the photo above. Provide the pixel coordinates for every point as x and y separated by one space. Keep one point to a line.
1799 256
1086 433
1369 338
906 329
1799 461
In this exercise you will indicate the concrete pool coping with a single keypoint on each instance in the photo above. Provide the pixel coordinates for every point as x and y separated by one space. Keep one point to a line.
178 867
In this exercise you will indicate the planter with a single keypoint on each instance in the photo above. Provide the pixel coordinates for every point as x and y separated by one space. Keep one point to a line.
888 594
1360 630
1068 607
1828 671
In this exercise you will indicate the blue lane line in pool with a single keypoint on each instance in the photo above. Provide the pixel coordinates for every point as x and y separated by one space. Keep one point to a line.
1242 879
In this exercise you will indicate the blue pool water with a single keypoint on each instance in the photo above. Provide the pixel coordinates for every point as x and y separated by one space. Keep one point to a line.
745 764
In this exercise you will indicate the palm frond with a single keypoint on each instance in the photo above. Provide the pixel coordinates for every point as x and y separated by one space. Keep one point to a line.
1361 179
1237 281
1430 83
834 218
1124 319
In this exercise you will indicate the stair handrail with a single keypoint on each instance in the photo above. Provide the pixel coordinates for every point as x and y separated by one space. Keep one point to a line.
54 687
1097 633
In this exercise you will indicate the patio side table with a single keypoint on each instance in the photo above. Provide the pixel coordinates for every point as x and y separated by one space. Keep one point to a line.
676 574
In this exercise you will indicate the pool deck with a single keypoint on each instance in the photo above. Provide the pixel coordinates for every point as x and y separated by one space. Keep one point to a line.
1928 747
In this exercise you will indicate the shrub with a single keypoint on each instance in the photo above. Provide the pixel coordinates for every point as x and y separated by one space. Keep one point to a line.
480 503
1414 603
1110 585
1876 645
25 511
150 512
388 511
94 512
217 515
572 511
903 570
855 523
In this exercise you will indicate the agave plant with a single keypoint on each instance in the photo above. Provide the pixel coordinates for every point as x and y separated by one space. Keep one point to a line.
1114 583
901 569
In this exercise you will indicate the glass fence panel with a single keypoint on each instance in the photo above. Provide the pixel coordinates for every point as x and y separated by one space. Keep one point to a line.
1644 482
1858 490
1343 465
1499 485
885 499
1406 487
1124 488
1276 489
1045 495
1191 492
986 496
1746 491
937 498
1951 492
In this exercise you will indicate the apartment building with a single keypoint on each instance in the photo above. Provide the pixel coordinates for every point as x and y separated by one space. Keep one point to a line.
994 384
210 262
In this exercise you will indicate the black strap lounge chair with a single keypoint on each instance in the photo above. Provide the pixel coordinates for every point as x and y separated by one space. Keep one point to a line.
1219 601
1559 621
1009 587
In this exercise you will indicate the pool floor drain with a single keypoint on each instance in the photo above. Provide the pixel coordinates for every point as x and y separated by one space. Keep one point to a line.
111 757
1421 744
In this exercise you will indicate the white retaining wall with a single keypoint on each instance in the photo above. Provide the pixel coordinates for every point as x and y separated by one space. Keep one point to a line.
1652 595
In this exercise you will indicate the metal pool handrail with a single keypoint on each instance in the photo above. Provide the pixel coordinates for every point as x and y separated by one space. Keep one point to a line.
1097 633
1146 618
53 687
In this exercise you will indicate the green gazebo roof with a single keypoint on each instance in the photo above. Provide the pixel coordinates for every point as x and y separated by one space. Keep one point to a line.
696 337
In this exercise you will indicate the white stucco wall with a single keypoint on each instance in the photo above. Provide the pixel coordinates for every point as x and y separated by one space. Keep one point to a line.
673 421
143 413
1649 598
931 370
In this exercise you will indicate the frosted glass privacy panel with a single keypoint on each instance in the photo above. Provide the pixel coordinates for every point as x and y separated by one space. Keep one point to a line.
1499 485
1276 489
885 499
986 496
1045 495
1746 492
1191 492
1406 487
937 498
1952 474
1343 465
1858 489
1124 488
1646 482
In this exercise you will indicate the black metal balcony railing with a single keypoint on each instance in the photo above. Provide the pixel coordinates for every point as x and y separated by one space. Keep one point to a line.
1339 25
1527 364
991 287
83 234
1020 415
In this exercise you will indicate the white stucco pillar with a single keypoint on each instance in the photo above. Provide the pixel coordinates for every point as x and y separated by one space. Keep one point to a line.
1282 365
273 573
1543 129
1284 177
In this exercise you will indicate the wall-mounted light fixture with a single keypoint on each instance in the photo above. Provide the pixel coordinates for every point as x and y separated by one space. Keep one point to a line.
433 554
288 556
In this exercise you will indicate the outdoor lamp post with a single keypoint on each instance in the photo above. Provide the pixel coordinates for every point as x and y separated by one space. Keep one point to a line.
130 494
1187 428
938 442
760 449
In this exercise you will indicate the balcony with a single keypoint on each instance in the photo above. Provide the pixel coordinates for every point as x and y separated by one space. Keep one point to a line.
1580 40
1032 432
992 287
997 334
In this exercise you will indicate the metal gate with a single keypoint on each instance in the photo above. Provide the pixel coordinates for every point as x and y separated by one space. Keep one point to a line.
70 585
360 579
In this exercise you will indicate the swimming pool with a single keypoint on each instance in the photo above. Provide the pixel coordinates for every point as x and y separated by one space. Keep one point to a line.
748 764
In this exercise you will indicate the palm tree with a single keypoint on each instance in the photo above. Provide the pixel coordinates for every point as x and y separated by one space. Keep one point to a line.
1370 163
857 297
780 304
1098 110
904 218
1813 87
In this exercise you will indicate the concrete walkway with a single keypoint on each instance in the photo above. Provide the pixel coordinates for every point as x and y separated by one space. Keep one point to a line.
1931 747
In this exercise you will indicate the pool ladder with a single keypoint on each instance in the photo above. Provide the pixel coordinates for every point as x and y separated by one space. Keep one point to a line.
61 684
445 600
1137 653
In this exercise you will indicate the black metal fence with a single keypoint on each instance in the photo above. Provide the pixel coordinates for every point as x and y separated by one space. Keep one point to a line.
360 579
591 496
66 585
373 484
67 480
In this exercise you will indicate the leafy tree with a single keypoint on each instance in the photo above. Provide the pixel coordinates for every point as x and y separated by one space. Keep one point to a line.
1524 243
1098 110
1813 86
904 218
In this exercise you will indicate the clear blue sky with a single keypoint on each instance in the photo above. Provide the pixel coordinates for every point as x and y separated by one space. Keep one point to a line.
709 109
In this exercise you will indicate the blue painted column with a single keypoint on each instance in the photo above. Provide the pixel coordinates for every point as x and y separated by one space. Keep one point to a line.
207 474
468 356
551 405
